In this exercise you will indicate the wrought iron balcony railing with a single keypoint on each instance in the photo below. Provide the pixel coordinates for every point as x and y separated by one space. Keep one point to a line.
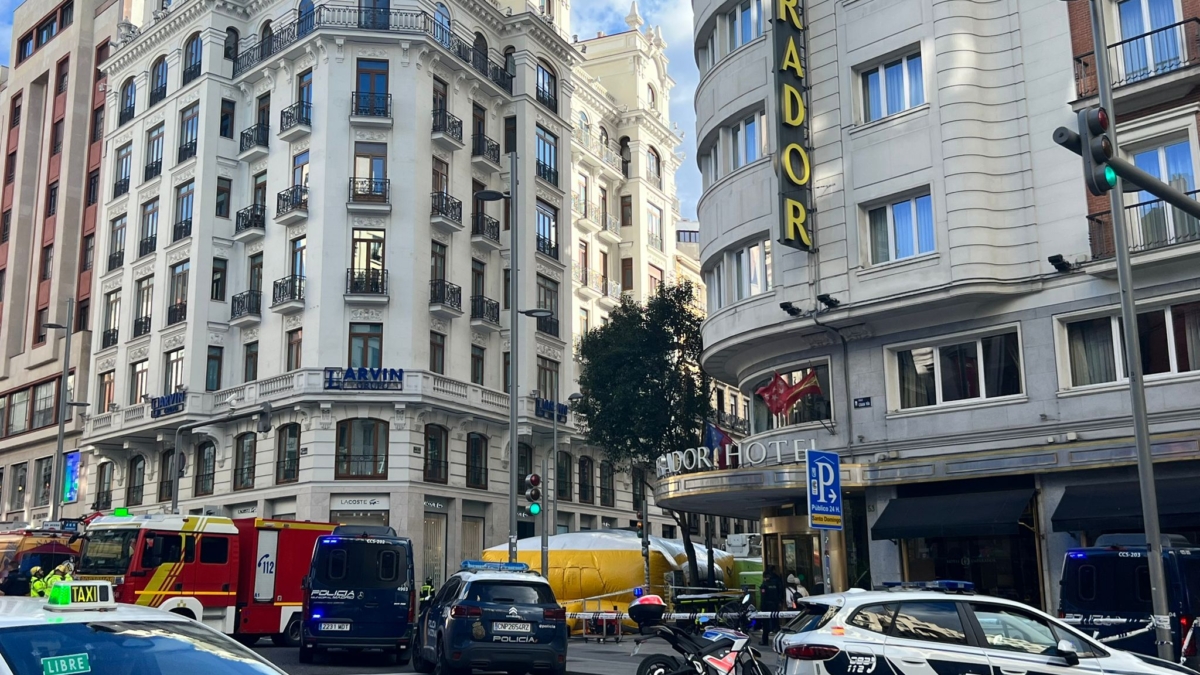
294 198
366 282
1149 225
246 303
446 123
446 206
371 104
370 190
288 289
253 216
258 135
296 114
442 292
483 225
483 307
482 146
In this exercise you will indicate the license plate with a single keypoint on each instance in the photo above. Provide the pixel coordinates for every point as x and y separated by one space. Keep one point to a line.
510 627
334 626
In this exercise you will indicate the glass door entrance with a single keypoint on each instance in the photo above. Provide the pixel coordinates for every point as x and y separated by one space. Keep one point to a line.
798 554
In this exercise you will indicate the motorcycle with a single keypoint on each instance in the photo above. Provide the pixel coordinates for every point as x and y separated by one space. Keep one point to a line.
718 650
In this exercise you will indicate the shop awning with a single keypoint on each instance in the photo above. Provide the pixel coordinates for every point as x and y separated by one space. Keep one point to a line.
964 515
1118 506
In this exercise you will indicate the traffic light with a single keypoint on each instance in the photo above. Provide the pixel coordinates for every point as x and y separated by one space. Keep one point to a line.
533 493
1096 147
641 524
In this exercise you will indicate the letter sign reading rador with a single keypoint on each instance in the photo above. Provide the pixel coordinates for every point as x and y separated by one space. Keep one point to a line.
792 164
824 490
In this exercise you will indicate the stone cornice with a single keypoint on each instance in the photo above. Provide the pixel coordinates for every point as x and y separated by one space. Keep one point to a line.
536 27
151 38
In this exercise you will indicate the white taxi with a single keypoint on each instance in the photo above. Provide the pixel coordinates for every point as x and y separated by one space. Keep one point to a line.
943 628
79 629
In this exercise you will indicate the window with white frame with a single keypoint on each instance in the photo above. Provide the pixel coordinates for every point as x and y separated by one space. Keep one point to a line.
710 165
714 281
1152 222
748 140
956 370
901 229
892 87
708 53
750 267
1169 338
745 23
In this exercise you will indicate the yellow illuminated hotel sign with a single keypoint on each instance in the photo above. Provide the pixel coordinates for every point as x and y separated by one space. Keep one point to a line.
792 164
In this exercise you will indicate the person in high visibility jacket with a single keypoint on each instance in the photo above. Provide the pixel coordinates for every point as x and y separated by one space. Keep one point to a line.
37 582
61 574
427 590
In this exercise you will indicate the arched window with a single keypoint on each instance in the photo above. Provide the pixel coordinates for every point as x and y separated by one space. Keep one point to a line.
607 496
524 460
166 475
104 480
562 476
192 53
266 41
604 137
232 38
585 127
436 454
510 60
481 48
128 100
245 447
307 18
287 453
206 469
477 461
651 98
654 167
362 449
136 482
585 480
626 156
158 80
441 24
547 86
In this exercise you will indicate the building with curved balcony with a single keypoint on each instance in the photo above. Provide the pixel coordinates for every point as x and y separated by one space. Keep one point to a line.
973 387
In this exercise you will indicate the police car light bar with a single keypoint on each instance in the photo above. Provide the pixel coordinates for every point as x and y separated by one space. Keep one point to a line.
940 585
80 596
481 565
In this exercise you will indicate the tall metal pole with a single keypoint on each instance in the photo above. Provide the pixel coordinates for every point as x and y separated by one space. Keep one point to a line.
514 330
56 485
554 464
1133 360
545 530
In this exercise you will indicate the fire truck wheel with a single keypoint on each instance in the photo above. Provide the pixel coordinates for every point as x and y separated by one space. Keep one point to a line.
290 637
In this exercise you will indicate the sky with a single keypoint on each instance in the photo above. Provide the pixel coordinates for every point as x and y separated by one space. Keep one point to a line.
675 17
588 17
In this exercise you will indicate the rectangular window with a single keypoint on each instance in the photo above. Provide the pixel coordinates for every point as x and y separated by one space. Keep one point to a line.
87 253
228 115
124 163
93 187
507 286
149 231
250 362
547 294
67 14
901 229
56 137
43 404
18 412
179 283
40 319
14 112
83 316
1169 339
437 261
52 199
106 391
219 276
656 278
510 134
547 229
626 275
43 471
654 226
366 345
98 124
477 365
139 381
892 87
63 77
547 374
112 311
3 283
143 305
506 371
748 140
47 271
295 340
25 48
585 321
751 267
547 155
5 226
173 375
212 370
224 191
745 23
154 150
437 352
184 198
626 211
116 240
978 368
189 127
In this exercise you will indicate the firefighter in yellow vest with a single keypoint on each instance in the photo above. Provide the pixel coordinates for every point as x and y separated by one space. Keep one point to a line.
37 582
61 574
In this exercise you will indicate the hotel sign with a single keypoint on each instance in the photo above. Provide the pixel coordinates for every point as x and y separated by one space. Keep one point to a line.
734 455
168 405
792 160
364 379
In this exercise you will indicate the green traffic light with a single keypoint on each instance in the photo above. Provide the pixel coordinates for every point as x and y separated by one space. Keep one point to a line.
1110 176
535 509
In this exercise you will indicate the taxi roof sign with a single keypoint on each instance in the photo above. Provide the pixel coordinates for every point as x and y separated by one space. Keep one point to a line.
80 595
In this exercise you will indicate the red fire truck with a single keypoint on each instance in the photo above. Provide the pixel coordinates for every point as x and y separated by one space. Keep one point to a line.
240 576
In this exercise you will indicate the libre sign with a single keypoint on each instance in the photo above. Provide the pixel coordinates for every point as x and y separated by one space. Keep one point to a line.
824 490
792 165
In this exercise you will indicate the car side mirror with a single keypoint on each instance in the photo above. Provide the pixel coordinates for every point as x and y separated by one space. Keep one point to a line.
1066 649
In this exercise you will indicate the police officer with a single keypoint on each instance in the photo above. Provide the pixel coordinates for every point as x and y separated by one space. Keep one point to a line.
427 590
37 582
772 595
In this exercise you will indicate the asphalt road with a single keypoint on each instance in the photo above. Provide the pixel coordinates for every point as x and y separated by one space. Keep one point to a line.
582 659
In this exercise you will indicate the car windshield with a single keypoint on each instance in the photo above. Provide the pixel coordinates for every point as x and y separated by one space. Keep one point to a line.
360 564
107 552
812 616
510 592
126 648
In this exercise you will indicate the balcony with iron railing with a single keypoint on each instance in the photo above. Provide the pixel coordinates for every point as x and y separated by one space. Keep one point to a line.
205 482
373 105
445 211
295 121
165 488
485 229
477 476
243 478
1149 225
548 325
608 497
147 245
447 129
445 298
287 295
371 194
291 205
152 170
484 148
116 259
181 230
191 71
485 311
656 241
547 246
733 422
141 326
158 93
125 116
287 470
246 305
547 173
109 338
177 313
255 142
120 187
187 150
361 467
1140 58
609 154
436 470
587 494
251 222
103 500
612 228
548 97
372 283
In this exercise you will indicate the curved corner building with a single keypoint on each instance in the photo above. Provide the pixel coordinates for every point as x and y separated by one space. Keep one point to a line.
958 305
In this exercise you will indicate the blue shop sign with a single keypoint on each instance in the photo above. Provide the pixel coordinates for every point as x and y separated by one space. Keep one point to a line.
168 405
544 407
365 379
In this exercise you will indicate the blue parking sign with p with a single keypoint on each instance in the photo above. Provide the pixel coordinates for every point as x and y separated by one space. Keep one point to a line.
824 490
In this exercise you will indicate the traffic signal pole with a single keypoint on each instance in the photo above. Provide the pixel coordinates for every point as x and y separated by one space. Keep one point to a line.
1133 357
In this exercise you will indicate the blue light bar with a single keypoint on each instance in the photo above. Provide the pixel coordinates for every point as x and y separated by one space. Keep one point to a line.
639 592
1076 554
329 540
479 565
943 585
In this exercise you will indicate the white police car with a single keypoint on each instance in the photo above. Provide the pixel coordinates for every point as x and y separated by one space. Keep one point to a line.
80 629
943 629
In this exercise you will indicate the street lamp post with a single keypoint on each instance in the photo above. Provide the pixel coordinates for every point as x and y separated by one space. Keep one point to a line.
56 482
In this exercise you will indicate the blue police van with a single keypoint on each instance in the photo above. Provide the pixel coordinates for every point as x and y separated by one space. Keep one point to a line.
359 593
1106 593
492 616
